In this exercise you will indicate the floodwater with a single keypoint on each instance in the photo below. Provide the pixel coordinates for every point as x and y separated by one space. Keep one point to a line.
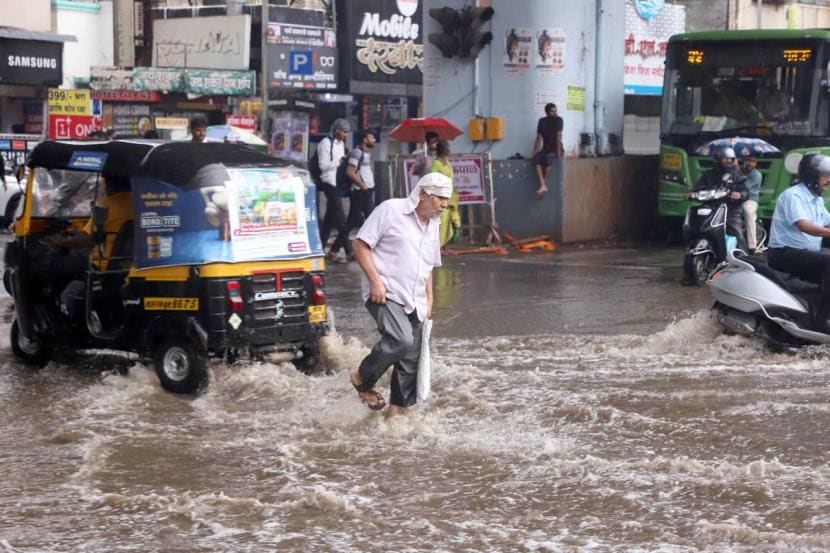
582 401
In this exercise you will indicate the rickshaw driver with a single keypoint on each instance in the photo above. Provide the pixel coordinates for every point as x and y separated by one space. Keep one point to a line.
118 202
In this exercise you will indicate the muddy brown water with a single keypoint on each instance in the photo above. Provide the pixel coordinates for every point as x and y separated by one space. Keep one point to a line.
578 405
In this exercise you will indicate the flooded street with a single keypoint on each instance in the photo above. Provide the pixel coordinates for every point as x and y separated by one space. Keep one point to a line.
582 400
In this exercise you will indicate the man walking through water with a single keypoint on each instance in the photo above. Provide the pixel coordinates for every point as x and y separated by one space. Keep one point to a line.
397 248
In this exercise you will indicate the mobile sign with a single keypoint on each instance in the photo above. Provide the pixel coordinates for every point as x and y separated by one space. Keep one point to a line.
256 214
72 113
468 177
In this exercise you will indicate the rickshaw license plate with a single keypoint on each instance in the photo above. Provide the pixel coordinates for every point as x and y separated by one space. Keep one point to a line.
171 304
316 313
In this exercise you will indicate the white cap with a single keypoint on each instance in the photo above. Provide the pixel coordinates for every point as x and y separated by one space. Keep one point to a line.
434 184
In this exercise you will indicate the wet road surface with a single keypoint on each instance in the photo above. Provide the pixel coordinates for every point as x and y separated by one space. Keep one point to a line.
582 400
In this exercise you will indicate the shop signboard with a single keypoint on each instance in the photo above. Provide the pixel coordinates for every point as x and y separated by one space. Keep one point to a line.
33 116
384 46
72 113
247 122
162 79
110 78
301 56
648 26
468 177
221 42
31 62
169 123
226 83
126 95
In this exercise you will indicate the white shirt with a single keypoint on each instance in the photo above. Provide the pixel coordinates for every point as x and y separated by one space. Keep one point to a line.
329 156
364 171
404 253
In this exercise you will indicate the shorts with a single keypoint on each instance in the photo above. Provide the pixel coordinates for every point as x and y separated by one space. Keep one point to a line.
545 159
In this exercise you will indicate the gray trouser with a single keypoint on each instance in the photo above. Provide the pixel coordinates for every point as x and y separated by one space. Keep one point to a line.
399 345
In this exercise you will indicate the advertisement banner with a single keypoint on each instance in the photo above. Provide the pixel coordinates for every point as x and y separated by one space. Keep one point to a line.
385 45
309 68
127 119
72 113
550 51
289 137
33 116
648 26
32 62
247 122
257 214
517 45
218 42
468 177
230 83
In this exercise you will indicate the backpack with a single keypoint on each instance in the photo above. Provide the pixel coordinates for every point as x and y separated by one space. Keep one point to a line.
314 164
344 183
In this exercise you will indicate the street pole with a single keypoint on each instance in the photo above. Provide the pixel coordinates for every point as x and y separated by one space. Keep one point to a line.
760 12
263 74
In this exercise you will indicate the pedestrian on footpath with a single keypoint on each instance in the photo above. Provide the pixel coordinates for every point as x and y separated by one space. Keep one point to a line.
397 248
330 152
423 158
359 172
754 178
547 147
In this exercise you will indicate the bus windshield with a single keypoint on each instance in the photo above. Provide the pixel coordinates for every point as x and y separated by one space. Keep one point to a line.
715 87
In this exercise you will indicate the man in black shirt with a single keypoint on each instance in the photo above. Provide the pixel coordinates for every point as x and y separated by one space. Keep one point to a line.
548 146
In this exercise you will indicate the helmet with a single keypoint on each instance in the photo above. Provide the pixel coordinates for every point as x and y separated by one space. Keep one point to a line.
811 167
725 151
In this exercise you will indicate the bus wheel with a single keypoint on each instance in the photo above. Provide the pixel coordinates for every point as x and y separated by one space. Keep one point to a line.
180 368
310 360
30 352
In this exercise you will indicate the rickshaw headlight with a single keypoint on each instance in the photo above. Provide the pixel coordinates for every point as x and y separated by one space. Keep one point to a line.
234 295
318 296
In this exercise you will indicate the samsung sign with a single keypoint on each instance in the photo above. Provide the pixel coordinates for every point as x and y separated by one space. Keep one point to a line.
30 62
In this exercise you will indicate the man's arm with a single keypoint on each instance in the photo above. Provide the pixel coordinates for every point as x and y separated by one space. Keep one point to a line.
812 229
429 296
363 256
537 144
352 175
560 150
325 151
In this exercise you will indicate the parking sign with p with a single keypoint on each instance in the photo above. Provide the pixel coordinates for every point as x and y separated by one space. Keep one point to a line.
300 62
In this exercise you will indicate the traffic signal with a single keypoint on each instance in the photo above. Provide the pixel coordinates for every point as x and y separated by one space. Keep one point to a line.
472 40
447 41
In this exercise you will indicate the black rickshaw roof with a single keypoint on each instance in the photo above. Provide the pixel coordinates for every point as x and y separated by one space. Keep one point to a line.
123 156
178 162
173 162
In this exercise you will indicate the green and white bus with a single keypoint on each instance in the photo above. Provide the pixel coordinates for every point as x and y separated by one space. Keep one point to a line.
769 84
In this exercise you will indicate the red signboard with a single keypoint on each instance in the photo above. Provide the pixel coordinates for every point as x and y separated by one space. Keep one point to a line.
126 95
247 122
73 126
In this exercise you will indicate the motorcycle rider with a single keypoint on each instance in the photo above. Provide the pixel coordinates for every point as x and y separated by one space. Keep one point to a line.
799 223
725 174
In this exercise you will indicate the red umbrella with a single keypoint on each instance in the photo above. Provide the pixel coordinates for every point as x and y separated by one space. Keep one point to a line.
414 129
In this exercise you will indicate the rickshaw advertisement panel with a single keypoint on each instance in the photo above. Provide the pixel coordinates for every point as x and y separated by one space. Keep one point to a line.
256 214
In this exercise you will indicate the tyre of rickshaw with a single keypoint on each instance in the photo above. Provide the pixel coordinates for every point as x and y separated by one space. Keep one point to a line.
309 360
180 367
30 352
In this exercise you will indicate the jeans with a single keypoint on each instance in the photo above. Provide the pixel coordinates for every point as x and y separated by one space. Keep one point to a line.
334 217
360 206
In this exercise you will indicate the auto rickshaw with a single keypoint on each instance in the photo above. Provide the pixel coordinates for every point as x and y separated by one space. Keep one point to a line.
193 251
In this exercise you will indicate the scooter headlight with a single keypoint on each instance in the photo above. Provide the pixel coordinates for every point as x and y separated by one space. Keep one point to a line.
704 211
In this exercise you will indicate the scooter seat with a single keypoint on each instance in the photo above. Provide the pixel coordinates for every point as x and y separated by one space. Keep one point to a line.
789 282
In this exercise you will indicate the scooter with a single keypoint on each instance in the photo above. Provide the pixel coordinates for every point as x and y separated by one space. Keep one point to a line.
704 230
753 299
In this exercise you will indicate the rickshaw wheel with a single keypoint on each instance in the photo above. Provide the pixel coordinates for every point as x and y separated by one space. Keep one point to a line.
310 360
180 368
30 352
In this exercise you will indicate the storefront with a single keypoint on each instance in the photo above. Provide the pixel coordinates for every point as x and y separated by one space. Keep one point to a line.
302 67
30 62
384 58
134 99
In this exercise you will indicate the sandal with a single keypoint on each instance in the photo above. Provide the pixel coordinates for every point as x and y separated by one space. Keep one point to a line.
369 396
